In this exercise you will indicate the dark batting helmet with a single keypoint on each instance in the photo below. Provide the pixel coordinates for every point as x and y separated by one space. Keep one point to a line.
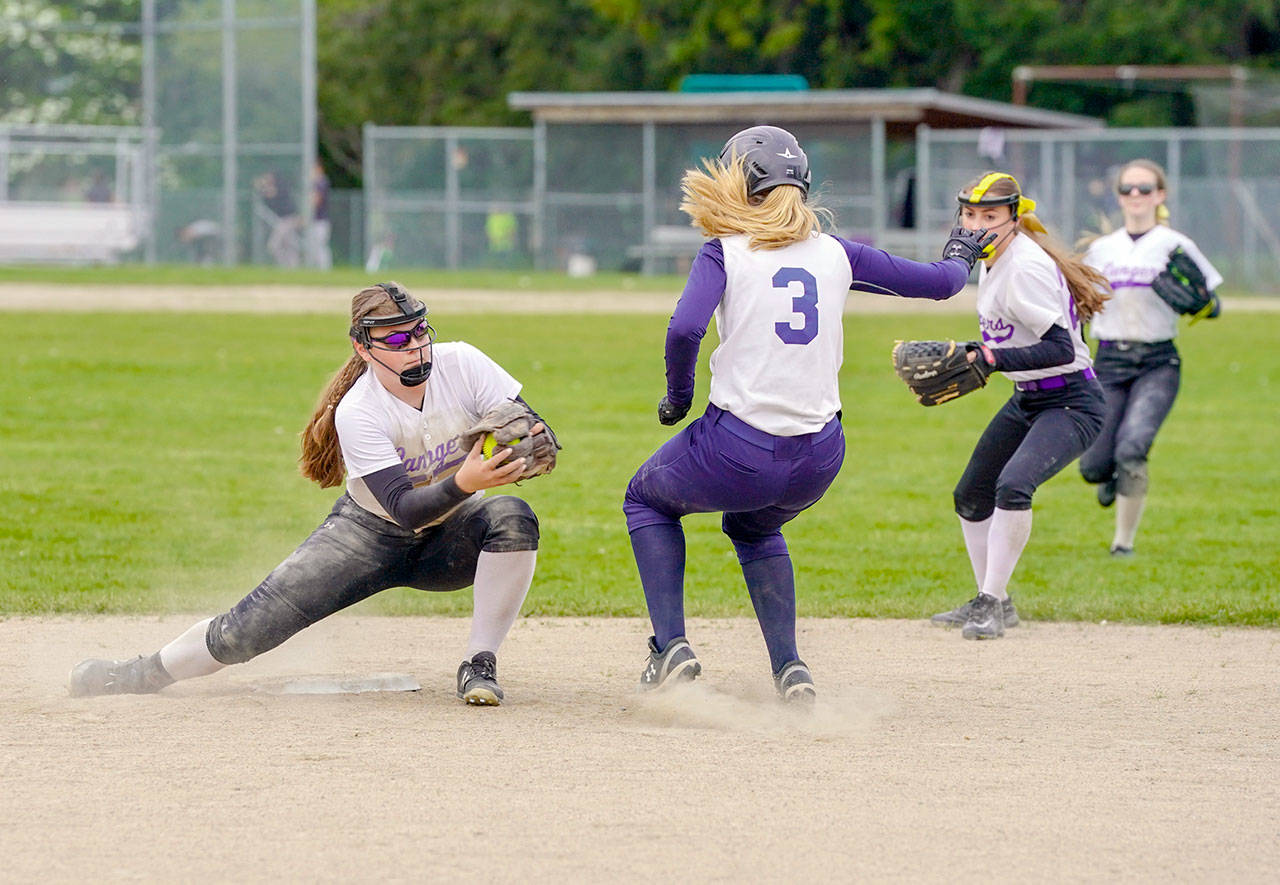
770 157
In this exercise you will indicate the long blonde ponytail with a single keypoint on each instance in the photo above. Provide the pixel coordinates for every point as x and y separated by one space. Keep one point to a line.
716 202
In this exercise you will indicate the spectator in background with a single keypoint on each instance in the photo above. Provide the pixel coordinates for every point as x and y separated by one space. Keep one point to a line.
99 189
500 228
204 238
321 255
282 242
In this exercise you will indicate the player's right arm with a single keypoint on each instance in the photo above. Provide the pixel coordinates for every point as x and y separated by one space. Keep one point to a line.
702 293
880 272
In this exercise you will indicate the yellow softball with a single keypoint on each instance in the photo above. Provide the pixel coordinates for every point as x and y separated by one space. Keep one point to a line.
490 443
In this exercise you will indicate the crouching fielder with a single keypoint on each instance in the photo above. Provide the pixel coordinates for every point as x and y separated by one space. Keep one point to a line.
1032 298
770 441
393 419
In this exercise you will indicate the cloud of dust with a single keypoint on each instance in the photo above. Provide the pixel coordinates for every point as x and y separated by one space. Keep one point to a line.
702 705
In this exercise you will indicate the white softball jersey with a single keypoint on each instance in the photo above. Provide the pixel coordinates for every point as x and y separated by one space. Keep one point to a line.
781 332
377 430
1135 312
1020 297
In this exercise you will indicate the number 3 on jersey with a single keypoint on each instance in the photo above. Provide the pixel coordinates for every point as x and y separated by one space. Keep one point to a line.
805 304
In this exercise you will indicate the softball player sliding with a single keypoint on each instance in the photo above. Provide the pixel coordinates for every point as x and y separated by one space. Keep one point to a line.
1137 362
1032 298
413 514
769 443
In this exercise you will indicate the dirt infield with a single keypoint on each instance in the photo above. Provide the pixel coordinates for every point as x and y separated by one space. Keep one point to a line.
327 299
322 299
1063 752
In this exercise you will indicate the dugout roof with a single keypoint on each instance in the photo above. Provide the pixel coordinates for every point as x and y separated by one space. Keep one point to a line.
902 110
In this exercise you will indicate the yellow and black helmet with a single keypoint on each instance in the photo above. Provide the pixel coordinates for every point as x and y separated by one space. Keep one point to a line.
980 195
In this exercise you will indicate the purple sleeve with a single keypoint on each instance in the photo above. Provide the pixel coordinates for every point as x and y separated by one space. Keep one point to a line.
701 296
875 270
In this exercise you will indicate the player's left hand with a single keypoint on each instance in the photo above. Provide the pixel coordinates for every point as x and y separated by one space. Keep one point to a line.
939 371
517 429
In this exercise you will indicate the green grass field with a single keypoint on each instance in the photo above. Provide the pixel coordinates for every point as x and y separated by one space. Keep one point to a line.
148 464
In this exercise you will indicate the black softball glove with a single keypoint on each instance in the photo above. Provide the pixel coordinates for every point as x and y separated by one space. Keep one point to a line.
1182 285
940 371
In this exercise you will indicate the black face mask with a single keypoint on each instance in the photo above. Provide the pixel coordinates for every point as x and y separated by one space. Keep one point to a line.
412 376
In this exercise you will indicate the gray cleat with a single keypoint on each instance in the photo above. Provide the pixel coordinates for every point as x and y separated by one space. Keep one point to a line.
675 663
141 675
795 684
986 620
478 680
957 616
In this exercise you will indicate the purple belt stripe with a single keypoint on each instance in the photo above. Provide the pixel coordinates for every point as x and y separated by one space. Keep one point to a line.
1053 382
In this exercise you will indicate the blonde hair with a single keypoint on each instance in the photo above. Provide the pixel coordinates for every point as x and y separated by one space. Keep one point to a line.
1089 288
321 459
716 202
1162 211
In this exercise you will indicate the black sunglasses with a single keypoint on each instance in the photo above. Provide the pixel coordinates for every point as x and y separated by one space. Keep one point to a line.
400 340
1143 189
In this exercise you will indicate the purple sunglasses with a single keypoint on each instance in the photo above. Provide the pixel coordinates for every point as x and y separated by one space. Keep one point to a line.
401 340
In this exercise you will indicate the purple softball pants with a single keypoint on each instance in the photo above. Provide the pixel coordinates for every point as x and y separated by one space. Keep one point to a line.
719 463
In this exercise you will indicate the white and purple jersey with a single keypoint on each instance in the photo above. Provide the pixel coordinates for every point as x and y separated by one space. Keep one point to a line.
779 314
1020 298
377 430
1135 312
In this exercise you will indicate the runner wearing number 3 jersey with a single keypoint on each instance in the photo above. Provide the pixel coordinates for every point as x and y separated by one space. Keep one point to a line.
769 443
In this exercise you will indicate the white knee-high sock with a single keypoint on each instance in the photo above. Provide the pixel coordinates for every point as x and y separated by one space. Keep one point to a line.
1009 532
502 581
975 541
1128 515
188 655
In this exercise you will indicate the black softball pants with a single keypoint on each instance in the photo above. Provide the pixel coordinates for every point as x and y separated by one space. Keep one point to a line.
354 554
1140 381
1033 436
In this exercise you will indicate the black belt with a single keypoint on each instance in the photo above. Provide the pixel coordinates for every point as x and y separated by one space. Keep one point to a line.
1124 346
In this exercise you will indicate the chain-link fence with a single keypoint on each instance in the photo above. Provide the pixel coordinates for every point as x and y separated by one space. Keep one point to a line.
579 197
574 197
1224 185
217 159
449 197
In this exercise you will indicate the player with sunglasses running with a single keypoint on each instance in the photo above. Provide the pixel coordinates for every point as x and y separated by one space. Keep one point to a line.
1032 298
1137 362
391 421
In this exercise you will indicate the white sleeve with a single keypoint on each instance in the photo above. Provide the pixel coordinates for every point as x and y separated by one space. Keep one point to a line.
1036 301
365 440
489 383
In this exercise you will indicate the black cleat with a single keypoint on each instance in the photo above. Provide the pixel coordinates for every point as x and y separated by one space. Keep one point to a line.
1107 492
478 680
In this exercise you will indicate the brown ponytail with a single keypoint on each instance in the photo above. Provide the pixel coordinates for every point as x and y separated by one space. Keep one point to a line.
1089 288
